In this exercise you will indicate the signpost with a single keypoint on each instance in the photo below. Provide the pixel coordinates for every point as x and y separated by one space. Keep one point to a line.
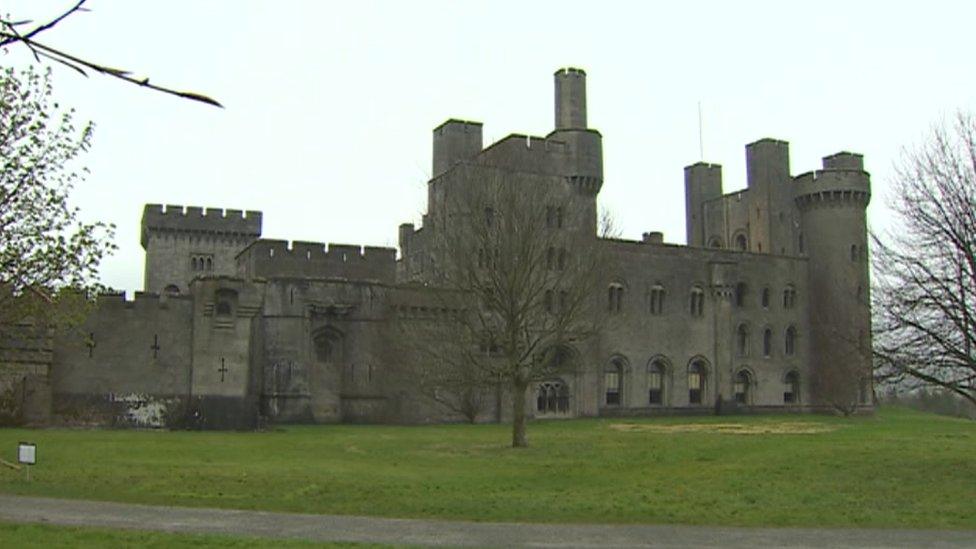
27 455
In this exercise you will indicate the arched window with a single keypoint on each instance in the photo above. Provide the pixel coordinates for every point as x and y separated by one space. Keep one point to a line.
743 386
209 263
741 242
193 263
171 289
742 340
854 252
328 347
656 373
767 343
715 242
552 397
697 381
656 300
765 298
790 344
697 301
615 297
741 291
789 297
791 389
613 382
800 243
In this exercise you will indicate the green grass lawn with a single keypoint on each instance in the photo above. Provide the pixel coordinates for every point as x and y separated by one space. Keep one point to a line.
897 469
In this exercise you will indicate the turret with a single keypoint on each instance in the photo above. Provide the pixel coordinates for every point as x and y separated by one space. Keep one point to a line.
832 203
182 244
703 182
583 165
455 141
570 99
770 198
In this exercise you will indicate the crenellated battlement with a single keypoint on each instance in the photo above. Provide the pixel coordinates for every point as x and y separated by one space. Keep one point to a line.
832 186
140 300
176 218
547 155
280 258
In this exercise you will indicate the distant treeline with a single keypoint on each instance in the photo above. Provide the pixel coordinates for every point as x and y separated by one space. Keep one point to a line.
938 401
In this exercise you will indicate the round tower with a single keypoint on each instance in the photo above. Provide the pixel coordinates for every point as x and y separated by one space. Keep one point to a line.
570 99
832 204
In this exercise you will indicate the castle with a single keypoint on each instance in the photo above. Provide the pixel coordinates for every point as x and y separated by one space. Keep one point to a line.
765 309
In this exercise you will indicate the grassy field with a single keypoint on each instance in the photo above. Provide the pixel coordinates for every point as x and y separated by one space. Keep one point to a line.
36 535
897 469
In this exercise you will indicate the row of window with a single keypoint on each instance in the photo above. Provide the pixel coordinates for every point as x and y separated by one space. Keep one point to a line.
741 243
742 341
201 262
658 373
657 295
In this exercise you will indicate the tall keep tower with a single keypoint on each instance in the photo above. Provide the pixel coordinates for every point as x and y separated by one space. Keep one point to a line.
584 166
181 245
832 204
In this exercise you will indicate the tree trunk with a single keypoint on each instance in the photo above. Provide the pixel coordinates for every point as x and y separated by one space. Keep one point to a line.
519 440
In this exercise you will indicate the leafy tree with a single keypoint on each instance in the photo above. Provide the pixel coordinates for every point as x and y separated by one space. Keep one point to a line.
925 272
48 256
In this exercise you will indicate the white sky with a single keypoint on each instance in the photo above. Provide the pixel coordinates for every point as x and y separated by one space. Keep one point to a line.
330 105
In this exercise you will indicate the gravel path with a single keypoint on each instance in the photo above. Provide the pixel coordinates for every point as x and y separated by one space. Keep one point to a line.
451 533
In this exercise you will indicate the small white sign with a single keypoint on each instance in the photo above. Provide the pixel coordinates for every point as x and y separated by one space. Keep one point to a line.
27 453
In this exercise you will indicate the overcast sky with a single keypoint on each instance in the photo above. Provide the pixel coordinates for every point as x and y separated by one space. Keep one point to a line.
330 105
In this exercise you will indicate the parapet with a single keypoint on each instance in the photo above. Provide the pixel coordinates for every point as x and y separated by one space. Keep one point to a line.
653 237
174 218
118 300
844 161
282 259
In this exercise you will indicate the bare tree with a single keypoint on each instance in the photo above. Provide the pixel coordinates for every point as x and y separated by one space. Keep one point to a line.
925 271
527 285
24 33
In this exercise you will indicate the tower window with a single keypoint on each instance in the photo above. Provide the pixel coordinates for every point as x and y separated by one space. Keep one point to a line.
697 302
741 243
742 340
656 300
615 297
789 297
741 290
790 344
